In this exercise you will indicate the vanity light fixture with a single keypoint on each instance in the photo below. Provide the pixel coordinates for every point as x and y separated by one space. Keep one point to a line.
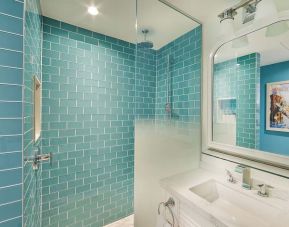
248 5
92 10
228 14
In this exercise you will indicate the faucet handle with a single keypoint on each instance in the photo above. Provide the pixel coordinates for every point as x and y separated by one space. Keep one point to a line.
231 178
263 190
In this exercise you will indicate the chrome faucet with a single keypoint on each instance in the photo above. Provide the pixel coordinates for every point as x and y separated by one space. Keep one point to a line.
231 178
246 178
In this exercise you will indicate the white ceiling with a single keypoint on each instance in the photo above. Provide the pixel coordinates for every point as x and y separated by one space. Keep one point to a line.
117 18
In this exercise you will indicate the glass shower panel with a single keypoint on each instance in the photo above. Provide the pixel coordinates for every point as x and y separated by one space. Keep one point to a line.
32 68
168 83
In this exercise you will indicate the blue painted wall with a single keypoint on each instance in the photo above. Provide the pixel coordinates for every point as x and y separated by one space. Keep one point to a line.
275 142
11 73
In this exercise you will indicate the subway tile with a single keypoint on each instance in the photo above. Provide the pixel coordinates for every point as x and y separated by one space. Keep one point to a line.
10 110
16 222
51 22
10 143
10 93
76 36
11 41
10 127
12 7
11 58
10 194
10 160
10 75
10 177
11 24
68 27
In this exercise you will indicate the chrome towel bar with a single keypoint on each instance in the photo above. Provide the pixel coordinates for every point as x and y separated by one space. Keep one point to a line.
168 205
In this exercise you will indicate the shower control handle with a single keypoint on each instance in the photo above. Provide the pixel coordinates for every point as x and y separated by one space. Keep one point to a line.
37 159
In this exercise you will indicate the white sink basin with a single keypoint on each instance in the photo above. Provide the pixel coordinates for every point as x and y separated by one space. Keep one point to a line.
237 208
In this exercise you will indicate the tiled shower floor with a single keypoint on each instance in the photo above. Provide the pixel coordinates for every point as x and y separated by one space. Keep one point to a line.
125 222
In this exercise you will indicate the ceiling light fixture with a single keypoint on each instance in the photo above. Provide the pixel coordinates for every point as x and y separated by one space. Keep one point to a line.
92 10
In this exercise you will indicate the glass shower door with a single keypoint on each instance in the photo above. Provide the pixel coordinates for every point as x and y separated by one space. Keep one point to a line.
32 69
168 80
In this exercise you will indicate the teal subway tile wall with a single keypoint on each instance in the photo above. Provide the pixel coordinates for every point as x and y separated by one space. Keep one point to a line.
88 117
145 83
32 67
239 79
94 86
178 78
11 72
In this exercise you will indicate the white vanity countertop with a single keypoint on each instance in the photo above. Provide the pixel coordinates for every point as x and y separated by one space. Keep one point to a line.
275 210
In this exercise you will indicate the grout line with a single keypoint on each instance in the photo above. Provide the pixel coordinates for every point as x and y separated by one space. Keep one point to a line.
11 67
12 185
12 33
10 219
16 201
8 101
10 152
8 15
10 135
10 118
11 50
19 85
3 170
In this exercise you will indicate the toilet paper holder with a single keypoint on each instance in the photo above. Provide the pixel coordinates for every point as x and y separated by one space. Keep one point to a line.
168 205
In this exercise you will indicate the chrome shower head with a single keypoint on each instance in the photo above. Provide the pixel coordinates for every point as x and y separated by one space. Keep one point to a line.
146 44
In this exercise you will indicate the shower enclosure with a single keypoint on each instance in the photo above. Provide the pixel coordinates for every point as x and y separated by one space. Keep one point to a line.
120 108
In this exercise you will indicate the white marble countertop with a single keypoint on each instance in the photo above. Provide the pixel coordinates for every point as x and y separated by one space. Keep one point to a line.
179 186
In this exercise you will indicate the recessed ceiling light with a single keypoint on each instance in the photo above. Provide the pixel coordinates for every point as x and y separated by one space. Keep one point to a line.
92 10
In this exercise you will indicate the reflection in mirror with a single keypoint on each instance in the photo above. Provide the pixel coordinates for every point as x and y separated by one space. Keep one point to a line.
251 91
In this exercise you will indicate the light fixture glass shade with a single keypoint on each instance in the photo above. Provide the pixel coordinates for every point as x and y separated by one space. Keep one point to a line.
240 42
277 29
265 9
227 27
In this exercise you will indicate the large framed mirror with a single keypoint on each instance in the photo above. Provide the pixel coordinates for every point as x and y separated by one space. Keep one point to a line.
249 95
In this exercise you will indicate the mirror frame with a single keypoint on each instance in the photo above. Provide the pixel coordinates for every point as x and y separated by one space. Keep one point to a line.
263 157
